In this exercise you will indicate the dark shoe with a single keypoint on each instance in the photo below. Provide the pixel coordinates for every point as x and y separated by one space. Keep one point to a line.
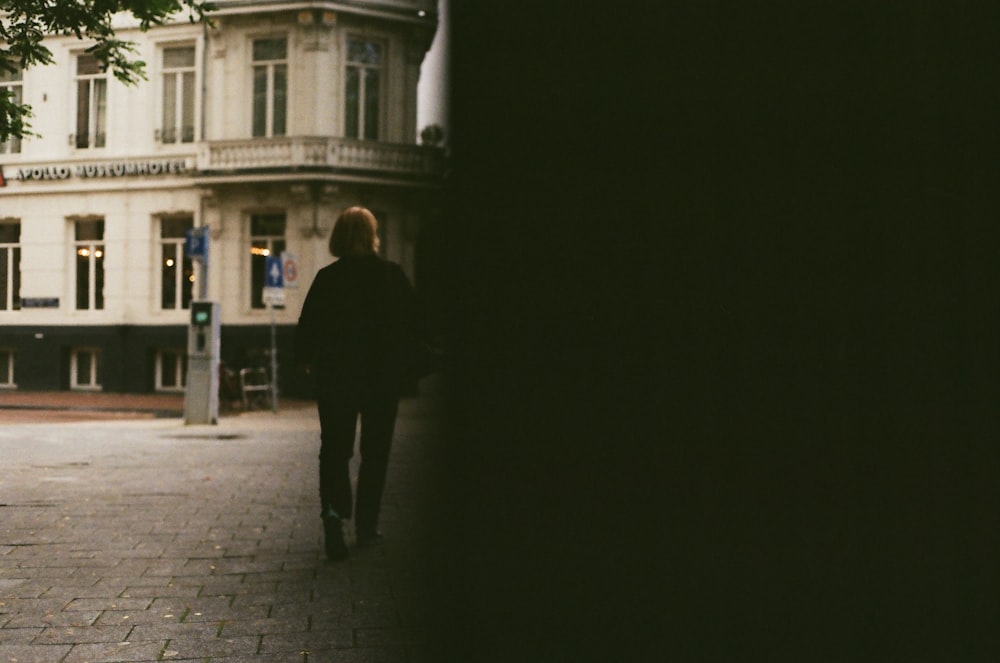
333 534
369 539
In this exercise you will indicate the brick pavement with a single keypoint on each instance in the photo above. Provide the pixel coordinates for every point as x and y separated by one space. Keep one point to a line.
148 540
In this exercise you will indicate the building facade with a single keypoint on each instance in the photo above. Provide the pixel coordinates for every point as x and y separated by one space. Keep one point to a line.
258 130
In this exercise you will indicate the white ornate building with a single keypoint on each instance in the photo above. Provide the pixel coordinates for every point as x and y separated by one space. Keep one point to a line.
261 128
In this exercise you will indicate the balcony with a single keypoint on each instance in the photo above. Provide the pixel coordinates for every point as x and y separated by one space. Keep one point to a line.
320 154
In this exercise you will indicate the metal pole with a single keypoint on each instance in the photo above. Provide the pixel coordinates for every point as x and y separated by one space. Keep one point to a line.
274 361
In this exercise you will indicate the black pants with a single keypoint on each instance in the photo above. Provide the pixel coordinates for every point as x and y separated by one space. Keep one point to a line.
338 416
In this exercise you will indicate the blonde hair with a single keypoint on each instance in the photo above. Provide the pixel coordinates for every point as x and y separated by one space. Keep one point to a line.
355 233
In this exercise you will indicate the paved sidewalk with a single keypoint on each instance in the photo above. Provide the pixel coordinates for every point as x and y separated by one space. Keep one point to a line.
148 540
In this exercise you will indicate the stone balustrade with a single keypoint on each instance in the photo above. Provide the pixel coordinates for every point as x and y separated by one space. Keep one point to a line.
318 152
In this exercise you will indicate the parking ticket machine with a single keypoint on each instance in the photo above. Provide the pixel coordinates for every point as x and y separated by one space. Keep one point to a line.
201 396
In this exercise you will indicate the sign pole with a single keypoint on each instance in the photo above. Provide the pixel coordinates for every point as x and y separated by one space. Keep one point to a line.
274 361
274 293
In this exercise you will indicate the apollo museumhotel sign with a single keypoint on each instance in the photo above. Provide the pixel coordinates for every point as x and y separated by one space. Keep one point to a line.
129 168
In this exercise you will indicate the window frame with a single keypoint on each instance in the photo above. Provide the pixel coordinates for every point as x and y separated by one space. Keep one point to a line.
186 264
10 298
97 122
180 370
256 292
8 82
270 97
95 378
383 75
178 72
7 381
96 256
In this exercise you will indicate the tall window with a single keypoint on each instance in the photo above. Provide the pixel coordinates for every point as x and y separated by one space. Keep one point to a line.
10 84
178 95
91 102
85 368
176 269
89 247
363 81
10 266
270 86
267 238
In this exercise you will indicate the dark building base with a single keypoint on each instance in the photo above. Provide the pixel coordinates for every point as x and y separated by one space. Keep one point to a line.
127 354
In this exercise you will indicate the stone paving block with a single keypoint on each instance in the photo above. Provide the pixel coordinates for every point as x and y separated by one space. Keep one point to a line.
33 607
339 638
60 618
68 635
137 588
174 631
179 567
195 609
229 586
108 604
32 653
131 568
19 636
274 626
212 647
277 597
328 612
72 590
133 617
245 565
24 588
131 651
51 572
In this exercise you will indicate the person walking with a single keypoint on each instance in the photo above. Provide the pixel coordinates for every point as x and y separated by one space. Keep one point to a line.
358 323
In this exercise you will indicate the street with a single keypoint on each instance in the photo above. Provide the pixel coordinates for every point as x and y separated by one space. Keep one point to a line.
145 540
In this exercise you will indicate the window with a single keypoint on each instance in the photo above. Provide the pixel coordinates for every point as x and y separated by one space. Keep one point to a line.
176 269
267 237
89 247
85 368
10 267
171 369
363 81
178 95
10 84
270 86
91 102
6 367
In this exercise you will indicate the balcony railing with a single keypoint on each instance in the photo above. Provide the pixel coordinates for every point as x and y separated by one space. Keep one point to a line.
317 152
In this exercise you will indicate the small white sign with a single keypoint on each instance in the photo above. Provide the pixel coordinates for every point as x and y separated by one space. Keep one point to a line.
274 296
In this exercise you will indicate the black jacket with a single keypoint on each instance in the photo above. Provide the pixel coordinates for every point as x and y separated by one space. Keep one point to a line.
358 322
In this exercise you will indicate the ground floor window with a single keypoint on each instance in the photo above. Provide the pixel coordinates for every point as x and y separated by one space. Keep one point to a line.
176 269
85 368
6 367
171 369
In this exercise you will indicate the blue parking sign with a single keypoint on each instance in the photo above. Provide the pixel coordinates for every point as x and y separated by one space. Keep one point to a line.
196 242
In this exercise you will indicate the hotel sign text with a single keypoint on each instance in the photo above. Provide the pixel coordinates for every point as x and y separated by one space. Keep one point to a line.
110 169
